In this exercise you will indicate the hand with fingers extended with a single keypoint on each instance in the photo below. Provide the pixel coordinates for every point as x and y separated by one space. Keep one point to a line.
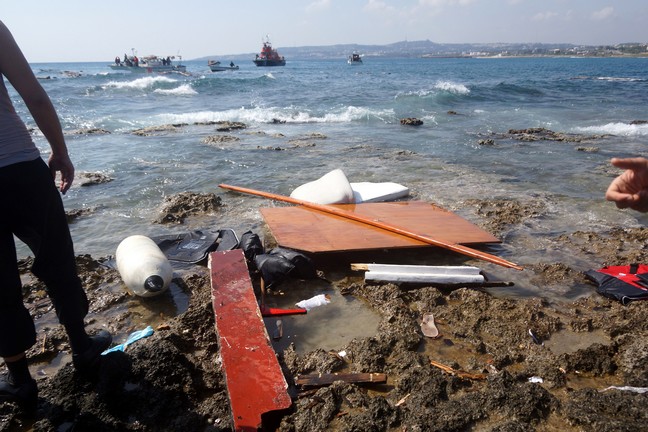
630 189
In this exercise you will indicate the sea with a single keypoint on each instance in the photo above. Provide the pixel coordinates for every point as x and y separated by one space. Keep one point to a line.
313 116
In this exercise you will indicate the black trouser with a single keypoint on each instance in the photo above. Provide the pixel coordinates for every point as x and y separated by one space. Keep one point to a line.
33 211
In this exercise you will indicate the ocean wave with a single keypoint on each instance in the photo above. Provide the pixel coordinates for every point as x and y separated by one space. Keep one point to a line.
272 115
451 87
183 90
620 79
140 83
620 129
608 78
443 86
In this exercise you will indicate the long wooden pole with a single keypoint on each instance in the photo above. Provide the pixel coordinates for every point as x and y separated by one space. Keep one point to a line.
388 227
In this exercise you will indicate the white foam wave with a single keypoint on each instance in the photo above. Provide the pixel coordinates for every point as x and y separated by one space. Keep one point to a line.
620 79
183 90
419 93
452 87
620 129
271 115
140 83
444 86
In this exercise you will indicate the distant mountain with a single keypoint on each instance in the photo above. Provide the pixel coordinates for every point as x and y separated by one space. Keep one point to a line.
426 48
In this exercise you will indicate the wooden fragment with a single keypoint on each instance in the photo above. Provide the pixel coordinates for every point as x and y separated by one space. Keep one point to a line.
255 382
459 373
319 380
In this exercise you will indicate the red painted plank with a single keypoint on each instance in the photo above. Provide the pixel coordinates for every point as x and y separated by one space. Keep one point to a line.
255 382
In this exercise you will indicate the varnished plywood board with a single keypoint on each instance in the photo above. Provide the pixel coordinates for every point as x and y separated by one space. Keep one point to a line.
310 230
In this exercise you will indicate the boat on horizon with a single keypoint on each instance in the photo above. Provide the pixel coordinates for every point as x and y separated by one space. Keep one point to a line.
354 59
148 64
269 56
216 66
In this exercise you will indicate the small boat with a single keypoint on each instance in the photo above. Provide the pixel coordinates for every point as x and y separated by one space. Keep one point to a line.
269 56
354 59
148 64
216 66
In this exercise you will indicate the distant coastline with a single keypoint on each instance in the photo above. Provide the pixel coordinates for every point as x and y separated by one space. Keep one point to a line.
429 49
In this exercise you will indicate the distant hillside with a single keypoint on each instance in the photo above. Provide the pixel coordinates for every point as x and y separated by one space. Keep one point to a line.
427 48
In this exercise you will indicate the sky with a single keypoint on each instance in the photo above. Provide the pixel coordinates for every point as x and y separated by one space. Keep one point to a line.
85 30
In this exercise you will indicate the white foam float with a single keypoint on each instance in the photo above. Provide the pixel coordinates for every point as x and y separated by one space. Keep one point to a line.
143 267
334 188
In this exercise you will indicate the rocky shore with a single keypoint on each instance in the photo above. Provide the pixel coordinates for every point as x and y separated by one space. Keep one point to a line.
498 363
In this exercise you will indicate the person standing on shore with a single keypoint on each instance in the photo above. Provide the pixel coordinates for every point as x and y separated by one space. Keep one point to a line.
630 189
34 213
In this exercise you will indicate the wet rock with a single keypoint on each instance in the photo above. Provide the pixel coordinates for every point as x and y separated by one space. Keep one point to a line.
74 214
157 130
486 142
411 121
595 360
302 144
299 141
173 380
177 208
554 274
616 246
316 135
542 134
406 153
526 402
88 131
504 212
227 126
609 411
90 179
317 361
588 149
270 148
219 139
633 361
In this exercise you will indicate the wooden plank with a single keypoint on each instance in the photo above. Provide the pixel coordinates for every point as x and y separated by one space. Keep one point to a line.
313 231
255 382
327 379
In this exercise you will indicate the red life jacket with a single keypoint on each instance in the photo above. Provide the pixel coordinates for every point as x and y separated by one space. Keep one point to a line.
624 283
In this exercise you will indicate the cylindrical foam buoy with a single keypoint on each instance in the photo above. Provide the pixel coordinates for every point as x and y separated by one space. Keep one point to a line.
142 266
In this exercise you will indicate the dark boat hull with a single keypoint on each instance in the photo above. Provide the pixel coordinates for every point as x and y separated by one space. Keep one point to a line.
266 62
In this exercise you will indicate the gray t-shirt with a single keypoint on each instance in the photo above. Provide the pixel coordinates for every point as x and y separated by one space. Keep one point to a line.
16 144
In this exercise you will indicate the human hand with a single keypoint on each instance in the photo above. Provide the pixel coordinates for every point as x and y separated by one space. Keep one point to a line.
630 189
63 164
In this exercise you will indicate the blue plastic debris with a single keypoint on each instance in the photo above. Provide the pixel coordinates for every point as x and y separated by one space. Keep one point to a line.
133 337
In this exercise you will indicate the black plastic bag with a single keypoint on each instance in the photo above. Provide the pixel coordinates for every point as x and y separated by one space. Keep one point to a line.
251 245
281 263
